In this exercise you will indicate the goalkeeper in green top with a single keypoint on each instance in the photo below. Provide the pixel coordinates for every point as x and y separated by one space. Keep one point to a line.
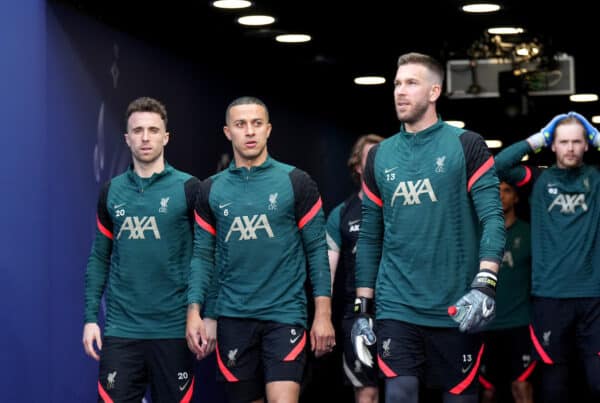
565 241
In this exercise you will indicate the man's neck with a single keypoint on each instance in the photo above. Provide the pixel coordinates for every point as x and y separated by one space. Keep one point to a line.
241 162
427 120
509 218
146 170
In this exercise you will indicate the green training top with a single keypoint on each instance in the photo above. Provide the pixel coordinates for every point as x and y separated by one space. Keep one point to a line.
256 231
141 254
565 222
431 212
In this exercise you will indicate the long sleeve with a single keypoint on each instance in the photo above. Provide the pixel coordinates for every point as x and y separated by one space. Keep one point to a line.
202 264
311 223
508 164
99 260
370 239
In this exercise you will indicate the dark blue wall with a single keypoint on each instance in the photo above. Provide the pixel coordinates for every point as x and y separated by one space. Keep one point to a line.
66 81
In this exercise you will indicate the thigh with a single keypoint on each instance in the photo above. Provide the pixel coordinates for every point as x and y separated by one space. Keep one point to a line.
400 348
453 360
284 352
123 375
552 329
357 374
238 350
171 365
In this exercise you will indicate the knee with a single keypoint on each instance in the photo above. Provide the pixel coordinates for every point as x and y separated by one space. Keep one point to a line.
368 394
522 391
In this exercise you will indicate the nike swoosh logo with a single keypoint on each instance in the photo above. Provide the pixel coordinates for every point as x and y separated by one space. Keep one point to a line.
353 222
119 205
388 170
465 370
182 387
224 205
294 339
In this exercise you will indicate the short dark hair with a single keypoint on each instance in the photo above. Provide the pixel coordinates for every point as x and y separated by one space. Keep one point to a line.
146 104
357 152
429 62
245 100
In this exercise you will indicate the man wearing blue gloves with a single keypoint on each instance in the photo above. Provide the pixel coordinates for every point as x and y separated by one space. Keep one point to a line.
565 222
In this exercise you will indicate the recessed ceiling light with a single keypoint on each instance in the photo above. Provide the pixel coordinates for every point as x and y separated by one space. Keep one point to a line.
369 80
596 119
256 20
456 123
231 4
493 143
505 30
480 8
583 98
293 38
525 157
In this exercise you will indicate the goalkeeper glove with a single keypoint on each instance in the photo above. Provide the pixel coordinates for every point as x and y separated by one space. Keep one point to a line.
545 136
591 132
362 333
476 308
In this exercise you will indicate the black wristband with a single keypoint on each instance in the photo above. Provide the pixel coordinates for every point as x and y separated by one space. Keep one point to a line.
363 305
485 281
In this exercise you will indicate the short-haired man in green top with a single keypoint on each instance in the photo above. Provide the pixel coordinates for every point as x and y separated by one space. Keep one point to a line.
140 260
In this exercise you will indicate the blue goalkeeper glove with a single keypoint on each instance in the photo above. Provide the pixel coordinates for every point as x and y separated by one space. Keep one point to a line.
477 308
362 333
591 132
545 136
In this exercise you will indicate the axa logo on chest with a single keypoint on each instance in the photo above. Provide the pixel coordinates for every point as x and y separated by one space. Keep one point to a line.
137 226
411 192
247 227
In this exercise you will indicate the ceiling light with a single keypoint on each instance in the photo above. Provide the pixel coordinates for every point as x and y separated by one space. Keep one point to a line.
256 20
369 80
456 123
583 98
231 4
525 157
480 8
493 143
596 119
505 30
293 38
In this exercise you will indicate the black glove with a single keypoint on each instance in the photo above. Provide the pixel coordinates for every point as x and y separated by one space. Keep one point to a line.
477 308
362 333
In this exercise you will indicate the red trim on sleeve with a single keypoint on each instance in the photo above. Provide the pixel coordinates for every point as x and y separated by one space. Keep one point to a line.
387 371
297 350
103 229
105 397
527 177
464 384
371 195
311 213
536 343
479 173
527 373
485 383
187 398
226 373
204 225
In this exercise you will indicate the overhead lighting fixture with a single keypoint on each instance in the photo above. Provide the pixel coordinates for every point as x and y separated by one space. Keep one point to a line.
505 30
256 20
596 119
232 4
493 143
293 38
456 123
525 157
480 8
369 80
583 97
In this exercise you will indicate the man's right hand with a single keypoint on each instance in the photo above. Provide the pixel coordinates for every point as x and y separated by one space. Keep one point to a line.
362 333
92 338
545 136
195 332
